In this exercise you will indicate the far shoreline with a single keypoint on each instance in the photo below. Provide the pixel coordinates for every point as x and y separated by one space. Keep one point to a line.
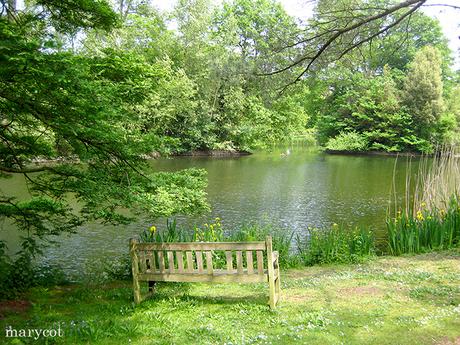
376 153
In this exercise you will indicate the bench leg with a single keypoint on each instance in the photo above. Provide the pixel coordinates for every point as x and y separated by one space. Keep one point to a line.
271 267
277 284
137 291
135 270
275 289
272 299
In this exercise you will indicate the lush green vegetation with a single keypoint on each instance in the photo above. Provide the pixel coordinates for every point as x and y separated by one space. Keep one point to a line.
336 244
213 91
18 275
404 300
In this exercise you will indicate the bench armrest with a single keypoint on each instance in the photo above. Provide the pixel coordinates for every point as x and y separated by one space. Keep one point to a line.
276 256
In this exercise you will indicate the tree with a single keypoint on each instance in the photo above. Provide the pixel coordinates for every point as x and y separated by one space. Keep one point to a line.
423 90
55 103
362 109
256 30
397 47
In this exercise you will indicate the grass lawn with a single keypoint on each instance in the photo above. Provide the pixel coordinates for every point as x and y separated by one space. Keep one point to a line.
389 300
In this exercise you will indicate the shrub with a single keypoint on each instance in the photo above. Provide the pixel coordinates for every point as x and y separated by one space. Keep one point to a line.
214 232
347 141
21 273
173 233
337 244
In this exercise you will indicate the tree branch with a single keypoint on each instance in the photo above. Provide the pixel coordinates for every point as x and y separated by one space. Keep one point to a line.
24 170
346 29
443 5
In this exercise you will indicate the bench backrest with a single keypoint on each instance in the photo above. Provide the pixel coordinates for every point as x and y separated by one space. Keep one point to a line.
202 258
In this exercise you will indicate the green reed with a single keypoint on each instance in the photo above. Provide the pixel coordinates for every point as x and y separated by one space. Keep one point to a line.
430 218
430 229
335 244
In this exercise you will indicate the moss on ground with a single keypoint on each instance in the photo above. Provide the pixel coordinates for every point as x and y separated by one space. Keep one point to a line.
389 300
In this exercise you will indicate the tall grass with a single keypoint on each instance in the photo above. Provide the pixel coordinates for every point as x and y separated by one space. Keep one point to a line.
439 182
430 229
281 238
213 232
430 219
336 244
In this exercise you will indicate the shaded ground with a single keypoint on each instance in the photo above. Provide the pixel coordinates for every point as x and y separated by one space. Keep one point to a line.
405 300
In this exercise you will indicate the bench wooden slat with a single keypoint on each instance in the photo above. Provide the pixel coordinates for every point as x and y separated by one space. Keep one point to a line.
151 257
180 262
199 261
260 262
239 262
224 277
171 268
142 261
229 257
202 246
249 262
190 266
209 267
161 261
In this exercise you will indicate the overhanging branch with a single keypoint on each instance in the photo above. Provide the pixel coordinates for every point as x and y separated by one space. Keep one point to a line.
24 170
340 32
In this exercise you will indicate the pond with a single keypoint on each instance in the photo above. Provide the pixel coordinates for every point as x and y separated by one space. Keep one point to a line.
292 191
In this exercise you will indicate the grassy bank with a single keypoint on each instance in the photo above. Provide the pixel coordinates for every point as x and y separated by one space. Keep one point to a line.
388 300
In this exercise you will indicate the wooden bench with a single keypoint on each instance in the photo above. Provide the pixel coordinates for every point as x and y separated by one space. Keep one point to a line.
155 262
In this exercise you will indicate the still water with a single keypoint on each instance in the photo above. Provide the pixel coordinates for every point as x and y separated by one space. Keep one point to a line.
291 191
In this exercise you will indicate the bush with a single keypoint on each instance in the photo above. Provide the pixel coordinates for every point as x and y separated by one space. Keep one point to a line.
431 217
348 141
173 233
19 274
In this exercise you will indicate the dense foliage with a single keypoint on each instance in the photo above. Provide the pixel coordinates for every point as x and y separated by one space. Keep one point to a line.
211 97
389 111
428 230
55 103
218 90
